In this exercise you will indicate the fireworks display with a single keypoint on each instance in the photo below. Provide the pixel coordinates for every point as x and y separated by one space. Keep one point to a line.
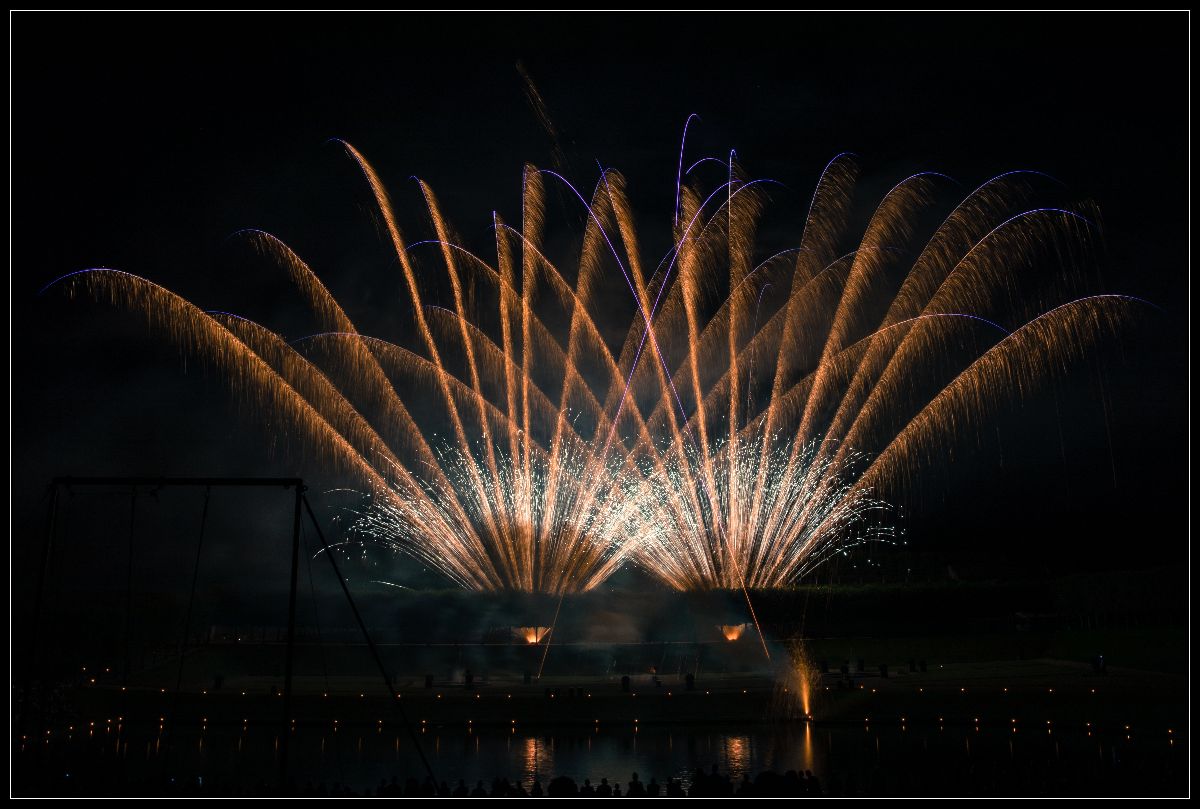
739 428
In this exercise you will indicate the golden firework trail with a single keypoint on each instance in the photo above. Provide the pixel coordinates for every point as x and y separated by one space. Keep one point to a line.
735 434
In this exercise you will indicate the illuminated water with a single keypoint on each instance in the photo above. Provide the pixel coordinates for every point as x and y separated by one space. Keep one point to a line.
847 759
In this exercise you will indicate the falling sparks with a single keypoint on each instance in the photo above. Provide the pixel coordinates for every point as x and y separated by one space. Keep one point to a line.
754 528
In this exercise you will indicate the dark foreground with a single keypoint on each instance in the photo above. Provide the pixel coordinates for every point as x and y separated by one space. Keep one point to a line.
1017 729
847 762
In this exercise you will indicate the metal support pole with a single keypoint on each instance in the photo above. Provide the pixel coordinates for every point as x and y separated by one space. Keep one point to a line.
391 689
31 673
187 628
286 731
129 592
187 621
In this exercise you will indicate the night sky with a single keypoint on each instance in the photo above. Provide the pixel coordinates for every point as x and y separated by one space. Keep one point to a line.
142 143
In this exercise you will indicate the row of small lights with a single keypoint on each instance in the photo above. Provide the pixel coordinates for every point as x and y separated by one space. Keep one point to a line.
424 722
398 696
866 720
1088 725
362 695
962 690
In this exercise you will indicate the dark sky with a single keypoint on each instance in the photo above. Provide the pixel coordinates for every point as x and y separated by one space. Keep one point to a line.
143 142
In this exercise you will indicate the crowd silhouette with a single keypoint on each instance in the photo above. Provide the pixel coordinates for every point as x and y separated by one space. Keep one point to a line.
713 784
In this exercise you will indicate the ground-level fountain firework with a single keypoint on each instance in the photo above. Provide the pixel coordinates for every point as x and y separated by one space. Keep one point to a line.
741 428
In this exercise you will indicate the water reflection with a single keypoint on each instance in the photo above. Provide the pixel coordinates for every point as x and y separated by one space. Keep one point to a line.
850 759
807 748
537 761
737 757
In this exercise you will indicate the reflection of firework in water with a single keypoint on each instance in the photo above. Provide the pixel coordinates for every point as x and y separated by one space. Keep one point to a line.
733 437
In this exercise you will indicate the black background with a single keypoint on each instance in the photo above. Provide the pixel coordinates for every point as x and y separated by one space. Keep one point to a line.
142 142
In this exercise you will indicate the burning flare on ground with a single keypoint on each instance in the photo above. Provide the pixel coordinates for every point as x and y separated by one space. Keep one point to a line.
732 632
531 634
